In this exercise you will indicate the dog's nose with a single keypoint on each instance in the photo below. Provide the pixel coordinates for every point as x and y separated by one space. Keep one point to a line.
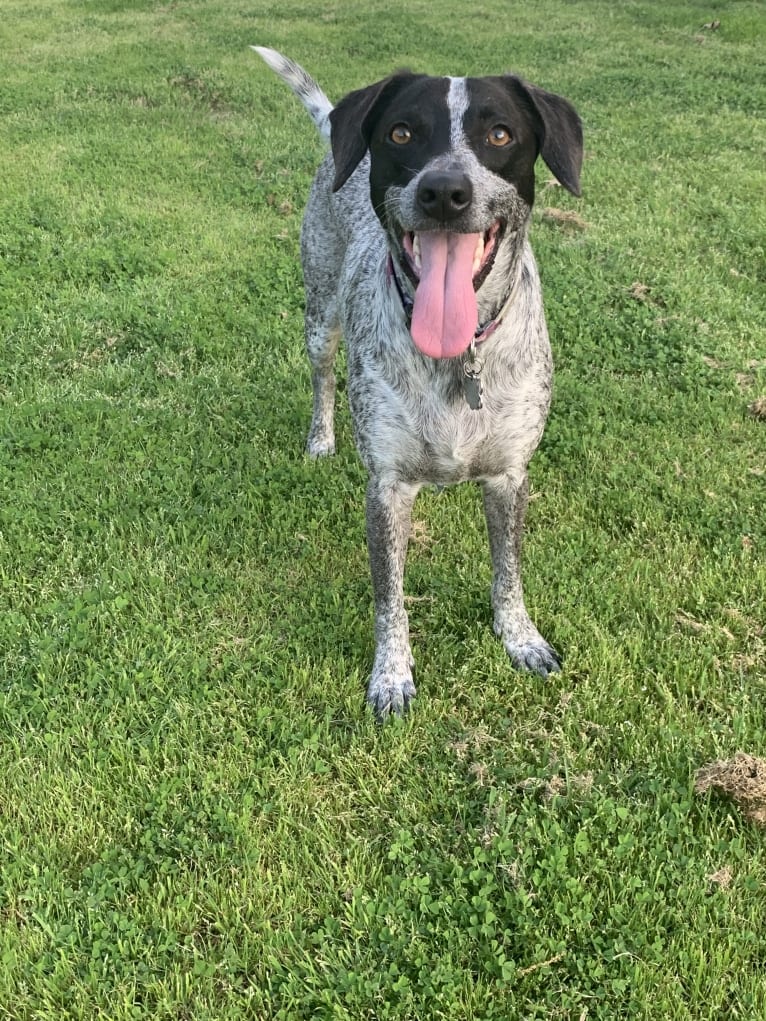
444 194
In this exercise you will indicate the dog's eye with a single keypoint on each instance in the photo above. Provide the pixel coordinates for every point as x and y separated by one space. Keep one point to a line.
499 136
400 134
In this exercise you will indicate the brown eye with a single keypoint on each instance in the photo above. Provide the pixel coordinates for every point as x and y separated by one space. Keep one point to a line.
400 134
499 136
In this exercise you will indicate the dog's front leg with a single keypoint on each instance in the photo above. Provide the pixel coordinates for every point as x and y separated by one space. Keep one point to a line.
505 505
389 508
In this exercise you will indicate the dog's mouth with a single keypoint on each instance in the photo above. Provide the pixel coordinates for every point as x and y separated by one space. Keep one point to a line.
483 255
446 269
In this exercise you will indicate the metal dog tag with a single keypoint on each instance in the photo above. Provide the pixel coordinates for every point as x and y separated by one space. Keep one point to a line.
472 388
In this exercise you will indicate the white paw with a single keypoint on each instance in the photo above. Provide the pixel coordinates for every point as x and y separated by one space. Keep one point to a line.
390 692
535 655
320 446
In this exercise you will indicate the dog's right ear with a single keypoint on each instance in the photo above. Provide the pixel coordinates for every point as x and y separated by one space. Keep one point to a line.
352 121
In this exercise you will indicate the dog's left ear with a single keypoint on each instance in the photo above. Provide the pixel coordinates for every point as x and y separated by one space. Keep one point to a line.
559 132
352 122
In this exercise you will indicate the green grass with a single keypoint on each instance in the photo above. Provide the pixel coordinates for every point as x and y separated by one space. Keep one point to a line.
198 818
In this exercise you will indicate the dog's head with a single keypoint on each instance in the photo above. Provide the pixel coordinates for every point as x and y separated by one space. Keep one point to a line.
452 182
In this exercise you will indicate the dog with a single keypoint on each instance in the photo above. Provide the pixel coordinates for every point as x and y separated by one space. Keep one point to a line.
414 248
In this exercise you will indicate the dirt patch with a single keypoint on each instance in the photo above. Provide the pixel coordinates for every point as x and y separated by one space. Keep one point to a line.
721 878
743 779
420 535
643 293
566 218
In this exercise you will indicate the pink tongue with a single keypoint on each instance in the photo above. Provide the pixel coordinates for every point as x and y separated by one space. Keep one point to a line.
445 315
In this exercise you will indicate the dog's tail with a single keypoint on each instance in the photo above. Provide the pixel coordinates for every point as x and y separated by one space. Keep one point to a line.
303 85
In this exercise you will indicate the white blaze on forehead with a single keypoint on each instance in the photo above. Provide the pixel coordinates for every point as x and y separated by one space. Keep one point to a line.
457 104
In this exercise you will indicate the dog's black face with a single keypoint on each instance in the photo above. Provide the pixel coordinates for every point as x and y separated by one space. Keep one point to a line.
425 110
451 178
417 127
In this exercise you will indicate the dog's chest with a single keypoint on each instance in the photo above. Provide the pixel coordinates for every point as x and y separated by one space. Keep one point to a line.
412 415
419 426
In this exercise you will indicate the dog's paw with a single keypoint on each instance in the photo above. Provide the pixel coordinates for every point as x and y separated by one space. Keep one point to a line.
534 656
390 693
320 446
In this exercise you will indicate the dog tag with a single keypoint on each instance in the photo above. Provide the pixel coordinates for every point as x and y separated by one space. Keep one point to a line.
472 388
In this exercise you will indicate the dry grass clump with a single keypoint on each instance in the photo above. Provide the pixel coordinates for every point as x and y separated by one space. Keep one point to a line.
566 218
743 779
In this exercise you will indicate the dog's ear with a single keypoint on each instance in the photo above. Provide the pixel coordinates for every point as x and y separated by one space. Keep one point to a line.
352 121
559 132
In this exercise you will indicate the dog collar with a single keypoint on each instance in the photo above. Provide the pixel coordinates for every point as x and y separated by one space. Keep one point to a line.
407 302
472 364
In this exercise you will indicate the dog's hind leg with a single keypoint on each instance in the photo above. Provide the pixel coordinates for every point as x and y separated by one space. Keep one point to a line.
322 250
505 504
322 337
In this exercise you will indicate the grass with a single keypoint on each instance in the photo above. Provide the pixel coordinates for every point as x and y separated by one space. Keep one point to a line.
198 818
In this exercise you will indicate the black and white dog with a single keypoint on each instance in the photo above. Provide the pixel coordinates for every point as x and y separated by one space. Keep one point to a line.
414 247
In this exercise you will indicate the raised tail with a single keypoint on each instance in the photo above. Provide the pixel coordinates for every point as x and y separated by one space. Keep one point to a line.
303 85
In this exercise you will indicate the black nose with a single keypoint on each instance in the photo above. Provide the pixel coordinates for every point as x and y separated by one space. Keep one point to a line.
444 194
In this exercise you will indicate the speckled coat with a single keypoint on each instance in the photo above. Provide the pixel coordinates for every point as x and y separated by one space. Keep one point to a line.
412 422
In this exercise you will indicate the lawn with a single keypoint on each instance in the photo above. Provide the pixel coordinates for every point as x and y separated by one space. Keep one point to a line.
199 819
